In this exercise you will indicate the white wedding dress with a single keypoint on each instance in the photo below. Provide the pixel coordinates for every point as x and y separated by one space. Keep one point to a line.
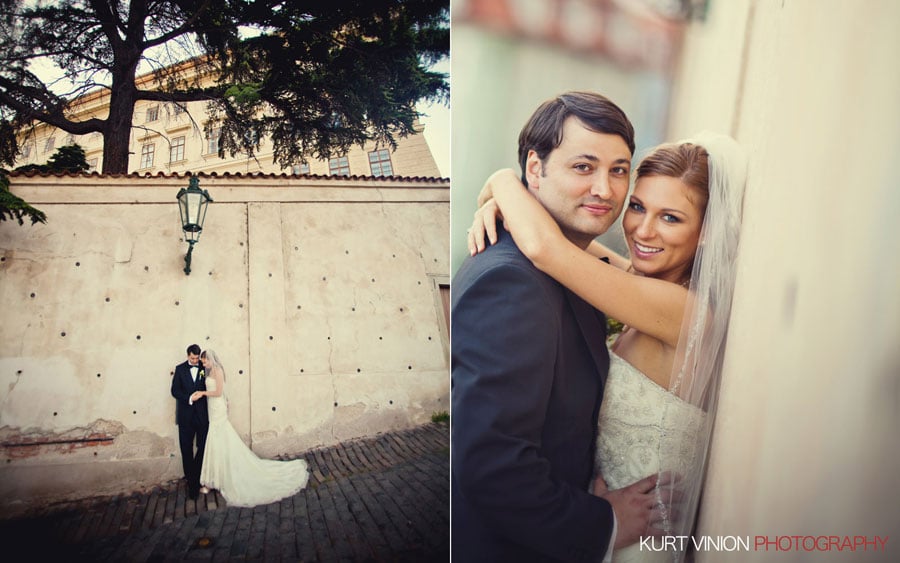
236 472
636 412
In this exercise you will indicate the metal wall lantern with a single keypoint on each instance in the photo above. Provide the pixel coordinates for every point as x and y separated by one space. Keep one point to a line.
192 204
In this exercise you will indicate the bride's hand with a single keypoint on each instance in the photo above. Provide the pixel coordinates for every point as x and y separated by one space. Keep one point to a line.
488 212
486 192
485 222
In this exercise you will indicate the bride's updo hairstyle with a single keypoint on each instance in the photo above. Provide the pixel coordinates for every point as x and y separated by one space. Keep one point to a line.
686 161
211 355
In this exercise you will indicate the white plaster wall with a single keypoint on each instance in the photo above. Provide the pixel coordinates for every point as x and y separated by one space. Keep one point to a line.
106 270
805 439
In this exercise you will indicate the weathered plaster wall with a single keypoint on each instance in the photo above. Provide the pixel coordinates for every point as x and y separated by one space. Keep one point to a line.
318 295
805 439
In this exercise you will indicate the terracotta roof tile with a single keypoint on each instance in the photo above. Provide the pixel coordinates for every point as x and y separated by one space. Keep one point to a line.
269 175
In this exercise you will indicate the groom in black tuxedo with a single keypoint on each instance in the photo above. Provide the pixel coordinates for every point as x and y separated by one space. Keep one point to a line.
529 362
191 416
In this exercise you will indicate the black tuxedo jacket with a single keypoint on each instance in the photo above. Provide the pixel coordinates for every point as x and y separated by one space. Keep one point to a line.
528 368
182 388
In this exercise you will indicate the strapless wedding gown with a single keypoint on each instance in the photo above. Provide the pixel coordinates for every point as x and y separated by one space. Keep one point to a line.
236 472
635 414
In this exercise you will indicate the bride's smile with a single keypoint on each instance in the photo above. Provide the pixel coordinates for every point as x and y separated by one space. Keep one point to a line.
646 249
662 227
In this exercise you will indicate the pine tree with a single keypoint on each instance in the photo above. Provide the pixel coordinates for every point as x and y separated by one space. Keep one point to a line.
316 77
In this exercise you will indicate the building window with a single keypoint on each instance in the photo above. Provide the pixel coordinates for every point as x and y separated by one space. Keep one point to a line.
70 140
176 151
152 113
26 151
92 164
48 144
147 155
380 163
212 141
339 166
302 168
179 109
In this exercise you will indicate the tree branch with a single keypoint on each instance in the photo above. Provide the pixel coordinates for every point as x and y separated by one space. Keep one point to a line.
181 30
205 94
54 116
109 22
57 53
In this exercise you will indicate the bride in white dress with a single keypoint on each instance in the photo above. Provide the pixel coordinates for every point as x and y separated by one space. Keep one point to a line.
229 465
681 225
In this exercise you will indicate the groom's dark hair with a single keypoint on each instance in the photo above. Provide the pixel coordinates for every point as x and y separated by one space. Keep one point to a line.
193 349
544 130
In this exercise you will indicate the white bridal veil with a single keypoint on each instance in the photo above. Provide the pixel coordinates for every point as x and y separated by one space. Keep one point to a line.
701 346
214 359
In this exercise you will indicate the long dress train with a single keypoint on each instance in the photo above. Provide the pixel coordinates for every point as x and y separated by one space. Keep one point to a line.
240 476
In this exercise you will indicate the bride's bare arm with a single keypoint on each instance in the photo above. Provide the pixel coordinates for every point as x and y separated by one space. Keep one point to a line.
484 223
600 250
486 192
652 306
216 374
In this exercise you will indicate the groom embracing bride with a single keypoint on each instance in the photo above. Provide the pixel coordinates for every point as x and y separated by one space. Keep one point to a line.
191 416
530 366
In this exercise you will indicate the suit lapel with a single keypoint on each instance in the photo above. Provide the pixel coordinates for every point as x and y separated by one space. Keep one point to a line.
593 331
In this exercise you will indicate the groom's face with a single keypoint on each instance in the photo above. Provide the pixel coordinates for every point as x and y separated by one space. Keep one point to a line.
193 359
582 182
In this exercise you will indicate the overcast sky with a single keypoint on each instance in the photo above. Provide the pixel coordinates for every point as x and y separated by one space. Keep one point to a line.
437 127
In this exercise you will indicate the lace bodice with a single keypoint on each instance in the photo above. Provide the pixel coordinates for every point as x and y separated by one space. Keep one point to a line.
217 407
641 423
644 429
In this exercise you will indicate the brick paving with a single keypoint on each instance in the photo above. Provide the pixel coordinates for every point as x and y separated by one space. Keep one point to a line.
385 498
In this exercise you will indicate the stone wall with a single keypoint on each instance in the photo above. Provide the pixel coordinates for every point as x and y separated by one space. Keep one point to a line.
321 296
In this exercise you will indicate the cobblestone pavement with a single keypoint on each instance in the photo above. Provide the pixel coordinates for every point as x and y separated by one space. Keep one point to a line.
385 498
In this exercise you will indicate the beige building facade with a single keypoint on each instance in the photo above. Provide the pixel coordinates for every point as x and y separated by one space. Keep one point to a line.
326 299
177 138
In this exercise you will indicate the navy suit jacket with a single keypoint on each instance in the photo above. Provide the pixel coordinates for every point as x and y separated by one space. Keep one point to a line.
528 368
183 386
